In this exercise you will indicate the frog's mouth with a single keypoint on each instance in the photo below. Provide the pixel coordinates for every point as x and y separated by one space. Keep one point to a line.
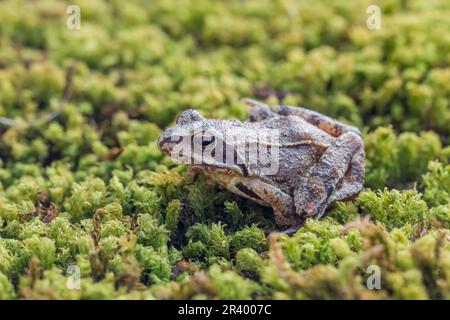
228 163
238 169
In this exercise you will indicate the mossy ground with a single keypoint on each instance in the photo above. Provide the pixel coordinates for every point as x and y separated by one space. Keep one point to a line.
90 188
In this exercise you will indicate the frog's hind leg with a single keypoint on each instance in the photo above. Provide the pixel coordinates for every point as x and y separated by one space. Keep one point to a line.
325 123
313 197
259 111
353 181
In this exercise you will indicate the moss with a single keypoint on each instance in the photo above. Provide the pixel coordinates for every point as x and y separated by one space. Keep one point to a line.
249 237
156 264
6 288
90 189
395 160
231 286
173 215
248 260
85 198
394 208
437 184
7 260
43 248
213 237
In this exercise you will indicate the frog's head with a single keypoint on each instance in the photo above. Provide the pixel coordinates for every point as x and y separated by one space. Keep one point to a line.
186 124
204 143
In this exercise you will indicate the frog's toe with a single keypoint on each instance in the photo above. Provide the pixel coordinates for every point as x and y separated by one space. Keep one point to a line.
290 231
315 210
253 103
309 209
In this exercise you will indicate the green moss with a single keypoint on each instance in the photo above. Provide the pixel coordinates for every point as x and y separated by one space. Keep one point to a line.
394 160
249 237
231 286
311 245
42 248
213 237
394 208
6 288
173 215
91 189
248 260
437 184
7 260
156 264
86 198
151 233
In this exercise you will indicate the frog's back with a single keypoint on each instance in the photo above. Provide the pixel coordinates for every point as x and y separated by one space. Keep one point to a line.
295 130
301 144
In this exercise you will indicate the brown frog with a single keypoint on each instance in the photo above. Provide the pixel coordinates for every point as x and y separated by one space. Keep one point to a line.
290 158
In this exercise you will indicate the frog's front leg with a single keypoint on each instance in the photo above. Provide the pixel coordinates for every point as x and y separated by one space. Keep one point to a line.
337 175
193 171
281 202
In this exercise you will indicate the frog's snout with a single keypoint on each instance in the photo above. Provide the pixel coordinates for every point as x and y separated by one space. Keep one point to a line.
167 140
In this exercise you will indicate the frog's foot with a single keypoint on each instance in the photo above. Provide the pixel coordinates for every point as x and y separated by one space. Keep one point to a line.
290 231
339 174
259 111
193 171
253 103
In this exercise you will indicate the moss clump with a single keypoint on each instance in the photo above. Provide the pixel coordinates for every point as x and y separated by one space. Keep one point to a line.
88 195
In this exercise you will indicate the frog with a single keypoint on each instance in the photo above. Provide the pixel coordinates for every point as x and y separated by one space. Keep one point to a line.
319 160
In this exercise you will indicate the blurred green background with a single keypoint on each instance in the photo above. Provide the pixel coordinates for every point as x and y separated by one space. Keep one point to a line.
90 188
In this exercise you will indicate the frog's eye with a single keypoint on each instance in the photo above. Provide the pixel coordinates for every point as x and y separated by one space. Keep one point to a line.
205 139
189 116
180 119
